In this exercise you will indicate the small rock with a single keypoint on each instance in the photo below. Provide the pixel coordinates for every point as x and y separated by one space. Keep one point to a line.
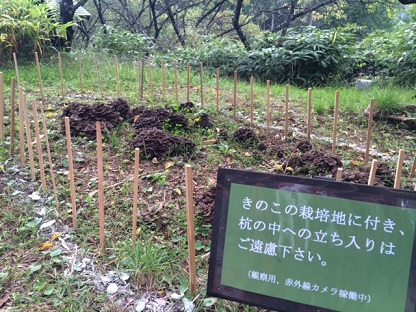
112 288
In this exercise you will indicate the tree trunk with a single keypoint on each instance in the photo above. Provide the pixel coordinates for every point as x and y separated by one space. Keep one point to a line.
237 26
66 13
174 24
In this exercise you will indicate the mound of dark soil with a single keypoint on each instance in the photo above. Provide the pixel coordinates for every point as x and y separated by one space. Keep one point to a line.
204 122
83 118
314 162
155 142
246 136
384 175
205 204
160 118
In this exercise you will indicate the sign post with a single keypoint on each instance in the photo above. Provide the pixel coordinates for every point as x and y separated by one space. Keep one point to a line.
297 244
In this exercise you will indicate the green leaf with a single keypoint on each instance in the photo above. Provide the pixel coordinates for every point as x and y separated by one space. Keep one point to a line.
55 253
34 268
209 301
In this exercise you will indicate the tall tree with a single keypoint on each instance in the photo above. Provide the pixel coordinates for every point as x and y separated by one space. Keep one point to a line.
67 10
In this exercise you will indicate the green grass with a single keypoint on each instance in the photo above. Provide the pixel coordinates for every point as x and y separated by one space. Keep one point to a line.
35 279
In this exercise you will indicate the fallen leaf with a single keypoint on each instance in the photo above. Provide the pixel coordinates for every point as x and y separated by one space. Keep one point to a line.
154 160
45 246
278 167
290 169
247 154
55 236
212 141
169 164
136 118
355 162
47 224
228 160
2 169
127 161
177 191
4 299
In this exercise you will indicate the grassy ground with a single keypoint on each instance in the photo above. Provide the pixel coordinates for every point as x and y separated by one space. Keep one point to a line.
74 274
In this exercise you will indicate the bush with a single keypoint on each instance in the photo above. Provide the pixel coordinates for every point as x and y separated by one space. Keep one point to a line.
121 42
26 27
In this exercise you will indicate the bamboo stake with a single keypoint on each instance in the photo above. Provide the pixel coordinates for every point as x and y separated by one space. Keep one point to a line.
334 132
373 171
80 73
191 229
268 107
2 108
138 79
28 138
142 79
308 137
39 77
162 68
48 149
71 173
251 101
39 146
117 75
149 69
217 74
16 68
399 169
369 130
61 75
176 80
135 194
21 127
202 84
235 95
97 68
287 111
338 177
188 82
100 183
12 115
413 172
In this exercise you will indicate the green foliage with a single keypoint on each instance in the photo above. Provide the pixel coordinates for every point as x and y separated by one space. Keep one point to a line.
26 27
391 54
307 57
121 42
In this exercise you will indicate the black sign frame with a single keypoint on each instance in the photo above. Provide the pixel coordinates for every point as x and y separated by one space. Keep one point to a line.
225 177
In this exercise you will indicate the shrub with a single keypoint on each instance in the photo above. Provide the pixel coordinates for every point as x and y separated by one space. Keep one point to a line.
26 27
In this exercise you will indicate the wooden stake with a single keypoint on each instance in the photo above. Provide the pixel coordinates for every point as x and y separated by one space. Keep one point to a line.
61 75
97 68
71 173
188 82
235 95
287 111
338 177
21 127
334 131
413 172
251 101
28 138
308 136
135 194
39 146
138 79
12 115
48 149
176 80
16 68
117 75
42 96
202 84
399 169
80 73
162 68
373 171
268 107
149 69
217 74
100 183
2 108
191 229
369 130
